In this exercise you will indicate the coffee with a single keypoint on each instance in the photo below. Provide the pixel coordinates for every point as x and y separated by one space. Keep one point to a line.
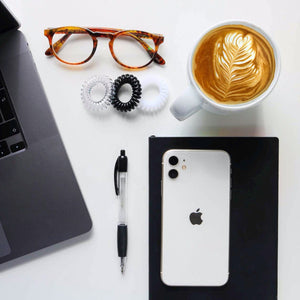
233 64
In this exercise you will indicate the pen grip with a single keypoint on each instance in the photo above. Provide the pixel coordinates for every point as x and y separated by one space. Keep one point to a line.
122 240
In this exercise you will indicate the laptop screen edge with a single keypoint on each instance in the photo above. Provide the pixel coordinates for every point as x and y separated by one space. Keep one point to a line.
7 19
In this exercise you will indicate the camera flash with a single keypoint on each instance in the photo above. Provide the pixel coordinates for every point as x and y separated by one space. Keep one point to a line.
183 167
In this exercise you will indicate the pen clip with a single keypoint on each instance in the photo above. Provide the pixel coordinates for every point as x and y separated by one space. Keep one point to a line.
116 181
120 166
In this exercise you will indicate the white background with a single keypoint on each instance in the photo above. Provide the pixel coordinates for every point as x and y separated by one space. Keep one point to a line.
89 269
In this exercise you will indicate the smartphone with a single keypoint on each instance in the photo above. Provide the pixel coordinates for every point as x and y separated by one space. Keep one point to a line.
196 188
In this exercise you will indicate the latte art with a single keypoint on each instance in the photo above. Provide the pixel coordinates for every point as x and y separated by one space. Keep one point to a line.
233 64
235 68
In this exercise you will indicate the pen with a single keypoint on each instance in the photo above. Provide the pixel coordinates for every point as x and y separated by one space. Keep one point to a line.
120 180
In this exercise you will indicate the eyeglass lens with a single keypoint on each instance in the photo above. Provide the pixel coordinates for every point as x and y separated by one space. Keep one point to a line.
77 47
131 51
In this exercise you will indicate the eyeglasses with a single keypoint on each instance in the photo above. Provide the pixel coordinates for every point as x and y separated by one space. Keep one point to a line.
131 49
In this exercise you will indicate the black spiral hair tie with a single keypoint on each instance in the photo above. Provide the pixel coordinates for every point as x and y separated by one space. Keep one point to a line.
136 93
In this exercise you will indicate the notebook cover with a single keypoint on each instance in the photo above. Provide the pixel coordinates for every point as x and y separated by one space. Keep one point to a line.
253 218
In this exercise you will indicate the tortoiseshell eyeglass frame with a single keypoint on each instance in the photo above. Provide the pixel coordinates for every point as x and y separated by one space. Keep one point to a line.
110 33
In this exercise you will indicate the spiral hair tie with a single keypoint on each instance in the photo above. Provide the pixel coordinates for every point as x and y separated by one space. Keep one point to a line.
155 104
89 85
136 93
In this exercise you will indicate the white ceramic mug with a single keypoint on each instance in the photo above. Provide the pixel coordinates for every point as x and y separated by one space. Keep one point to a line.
193 99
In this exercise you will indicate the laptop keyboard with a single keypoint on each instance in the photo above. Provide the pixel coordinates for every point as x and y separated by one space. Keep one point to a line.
11 138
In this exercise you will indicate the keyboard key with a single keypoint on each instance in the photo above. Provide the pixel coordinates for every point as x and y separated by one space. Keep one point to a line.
3 149
8 129
17 147
5 106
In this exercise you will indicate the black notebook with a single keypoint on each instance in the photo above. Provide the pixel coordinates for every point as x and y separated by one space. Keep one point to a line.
253 219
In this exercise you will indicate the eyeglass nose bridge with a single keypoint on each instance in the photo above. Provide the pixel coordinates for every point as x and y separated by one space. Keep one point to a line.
103 35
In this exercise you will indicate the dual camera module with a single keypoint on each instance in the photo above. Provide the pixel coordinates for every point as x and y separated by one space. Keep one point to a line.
173 161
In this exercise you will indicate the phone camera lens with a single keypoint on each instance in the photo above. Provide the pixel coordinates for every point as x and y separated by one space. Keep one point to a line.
173 173
173 160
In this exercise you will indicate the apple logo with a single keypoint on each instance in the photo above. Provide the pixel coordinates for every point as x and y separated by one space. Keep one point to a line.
195 217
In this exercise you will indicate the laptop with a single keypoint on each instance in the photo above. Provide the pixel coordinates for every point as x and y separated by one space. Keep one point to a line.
40 201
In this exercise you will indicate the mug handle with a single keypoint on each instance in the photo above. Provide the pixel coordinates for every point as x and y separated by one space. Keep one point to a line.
187 104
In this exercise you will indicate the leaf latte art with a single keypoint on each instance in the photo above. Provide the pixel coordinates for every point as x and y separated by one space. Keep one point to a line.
235 67
233 64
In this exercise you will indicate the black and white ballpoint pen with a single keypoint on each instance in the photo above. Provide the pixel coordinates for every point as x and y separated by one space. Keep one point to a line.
120 180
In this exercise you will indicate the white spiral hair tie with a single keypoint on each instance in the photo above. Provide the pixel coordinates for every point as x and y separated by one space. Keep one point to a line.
157 103
89 85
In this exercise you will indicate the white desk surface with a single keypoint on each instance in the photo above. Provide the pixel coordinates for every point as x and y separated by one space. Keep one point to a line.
90 269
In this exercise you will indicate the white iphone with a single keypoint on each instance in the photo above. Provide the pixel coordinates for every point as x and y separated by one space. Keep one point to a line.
195 217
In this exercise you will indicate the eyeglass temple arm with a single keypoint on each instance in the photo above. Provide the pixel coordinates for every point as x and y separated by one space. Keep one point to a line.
158 59
57 45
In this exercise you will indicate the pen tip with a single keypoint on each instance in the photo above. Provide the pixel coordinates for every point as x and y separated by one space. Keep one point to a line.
122 269
122 265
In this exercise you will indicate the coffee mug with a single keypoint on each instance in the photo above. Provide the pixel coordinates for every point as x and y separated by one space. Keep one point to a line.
233 66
